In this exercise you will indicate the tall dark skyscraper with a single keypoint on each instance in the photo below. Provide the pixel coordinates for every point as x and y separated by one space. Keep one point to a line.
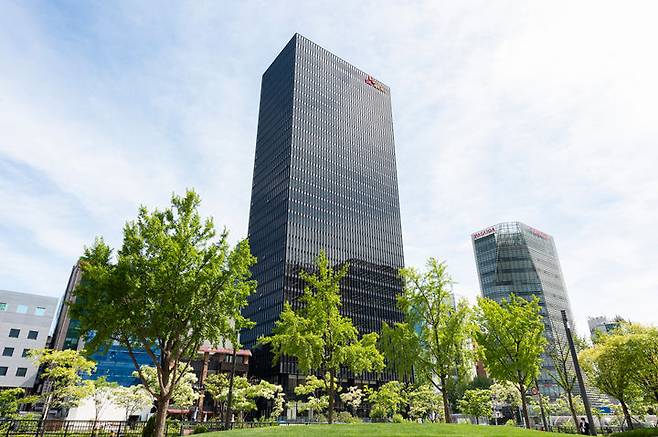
325 178
516 258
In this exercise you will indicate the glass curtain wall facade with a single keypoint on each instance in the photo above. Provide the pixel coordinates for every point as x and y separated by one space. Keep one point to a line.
325 178
516 258
114 362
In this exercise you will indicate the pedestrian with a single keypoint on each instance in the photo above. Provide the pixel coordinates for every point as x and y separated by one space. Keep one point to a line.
584 426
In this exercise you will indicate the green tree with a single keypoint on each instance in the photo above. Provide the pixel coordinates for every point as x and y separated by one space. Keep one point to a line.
443 329
642 347
476 403
483 382
11 400
62 374
505 393
610 366
400 345
278 406
183 394
424 401
244 393
387 400
510 341
172 285
101 395
313 388
318 336
563 375
133 399
216 384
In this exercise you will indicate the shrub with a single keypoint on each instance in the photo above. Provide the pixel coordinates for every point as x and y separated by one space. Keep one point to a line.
200 429
149 428
346 417
320 418
510 422
173 427
397 418
377 413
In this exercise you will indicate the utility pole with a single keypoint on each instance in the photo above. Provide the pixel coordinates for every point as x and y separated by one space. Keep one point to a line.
579 375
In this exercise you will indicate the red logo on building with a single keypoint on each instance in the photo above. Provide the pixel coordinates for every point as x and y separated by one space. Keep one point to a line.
483 233
375 84
539 233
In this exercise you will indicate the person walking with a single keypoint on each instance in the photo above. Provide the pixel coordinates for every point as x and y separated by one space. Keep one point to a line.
584 426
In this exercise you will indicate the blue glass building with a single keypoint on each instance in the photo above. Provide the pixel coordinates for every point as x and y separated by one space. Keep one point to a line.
516 258
115 363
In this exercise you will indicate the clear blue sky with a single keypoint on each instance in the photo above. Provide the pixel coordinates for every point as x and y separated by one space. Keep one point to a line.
542 113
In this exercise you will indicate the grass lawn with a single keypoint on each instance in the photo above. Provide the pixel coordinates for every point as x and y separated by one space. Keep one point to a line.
382 430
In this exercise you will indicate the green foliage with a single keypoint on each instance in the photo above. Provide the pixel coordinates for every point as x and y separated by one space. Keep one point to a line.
63 370
506 393
482 382
423 400
642 348
10 401
102 394
172 426
563 375
318 336
278 407
314 403
510 340
476 403
244 393
200 429
149 428
183 394
510 422
610 366
353 398
173 284
311 385
397 418
346 417
133 399
442 329
400 345
387 400
313 388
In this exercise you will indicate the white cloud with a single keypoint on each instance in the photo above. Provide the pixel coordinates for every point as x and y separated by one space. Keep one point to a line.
541 113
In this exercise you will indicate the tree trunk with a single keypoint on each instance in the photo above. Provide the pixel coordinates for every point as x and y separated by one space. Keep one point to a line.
44 414
330 417
46 405
572 408
627 415
446 402
524 405
161 417
541 407
229 398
